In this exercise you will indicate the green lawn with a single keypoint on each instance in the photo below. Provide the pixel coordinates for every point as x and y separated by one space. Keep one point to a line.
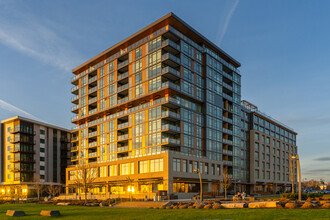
79 212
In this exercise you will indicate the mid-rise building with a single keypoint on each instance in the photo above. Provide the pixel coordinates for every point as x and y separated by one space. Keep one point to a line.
31 151
155 108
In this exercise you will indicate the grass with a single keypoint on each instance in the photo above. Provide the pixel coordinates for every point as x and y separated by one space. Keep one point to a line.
80 212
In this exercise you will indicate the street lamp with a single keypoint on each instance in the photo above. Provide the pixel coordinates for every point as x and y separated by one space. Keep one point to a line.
130 188
299 175
200 183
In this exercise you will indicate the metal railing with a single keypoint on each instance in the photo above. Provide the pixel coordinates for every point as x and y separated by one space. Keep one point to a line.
92 100
122 64
122 137
123 125
123 75
92 133
171 57
92 79
122 87
74 88
171 70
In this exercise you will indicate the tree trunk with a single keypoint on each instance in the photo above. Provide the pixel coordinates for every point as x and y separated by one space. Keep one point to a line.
225 193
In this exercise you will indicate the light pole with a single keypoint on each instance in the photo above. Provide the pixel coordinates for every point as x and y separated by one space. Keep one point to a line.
130 188
200 183
299 175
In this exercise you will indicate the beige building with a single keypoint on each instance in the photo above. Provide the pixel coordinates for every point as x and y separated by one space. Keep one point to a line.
31 151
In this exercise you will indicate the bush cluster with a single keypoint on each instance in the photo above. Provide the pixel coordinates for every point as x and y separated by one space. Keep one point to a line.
304 196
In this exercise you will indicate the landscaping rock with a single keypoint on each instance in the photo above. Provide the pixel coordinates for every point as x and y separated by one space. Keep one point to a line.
290 205
63 203
191 207
326 206
102 204
208 206
183 206
217 206
199 206
307 205
234 205
50 213
254 205
169 207
279 206
15 213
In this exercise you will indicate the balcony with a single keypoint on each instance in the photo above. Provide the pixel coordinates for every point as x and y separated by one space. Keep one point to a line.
227 97
92 144
227 152
21 160
94 154
171 114
122 76
170 141
75 108
74 148
92 100
226 141
74 98
171 73
122 87
168 42
171 60
123 125
74 79
227 162
122 137
123 148
92 134
74 138
171 85
74 157
227 75
171 128
92 111
227 119
92 79
227 86
75 118
120 65
227 131
75 88
122 100
92 89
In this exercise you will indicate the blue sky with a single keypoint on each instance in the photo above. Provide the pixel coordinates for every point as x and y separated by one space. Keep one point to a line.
283 47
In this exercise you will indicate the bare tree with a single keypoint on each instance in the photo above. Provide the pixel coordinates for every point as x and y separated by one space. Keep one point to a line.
53 190
85 178
39 187
225 181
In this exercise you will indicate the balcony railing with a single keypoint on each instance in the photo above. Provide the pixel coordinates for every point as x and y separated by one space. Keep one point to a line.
74 118
74 97
74 148
122 100
124 148
123 75
92 100
92 111
171 127
227 152
171 57
227 86
122 137
227 75
74 107
170 114
171 70
227 119
226 141
170 141
92 79
93 89
74 88
227 131
123 125
92 144
74 138
74 157
171 43
120 65
92 134
122 87
94 154
227 162
227 97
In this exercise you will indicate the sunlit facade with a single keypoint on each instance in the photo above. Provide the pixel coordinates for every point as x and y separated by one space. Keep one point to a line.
153 109
31 152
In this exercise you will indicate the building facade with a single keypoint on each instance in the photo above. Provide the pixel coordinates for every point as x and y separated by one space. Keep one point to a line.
31 152
154 110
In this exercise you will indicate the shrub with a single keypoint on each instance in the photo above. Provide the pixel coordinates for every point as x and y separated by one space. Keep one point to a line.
304 196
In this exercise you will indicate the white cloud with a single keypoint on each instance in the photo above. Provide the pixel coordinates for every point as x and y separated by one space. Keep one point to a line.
8 107
223 28
24 33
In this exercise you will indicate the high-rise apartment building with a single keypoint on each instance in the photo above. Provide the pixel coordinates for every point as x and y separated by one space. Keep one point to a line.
154 109
31 151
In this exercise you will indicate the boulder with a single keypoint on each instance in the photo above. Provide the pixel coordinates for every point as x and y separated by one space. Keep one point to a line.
199 206
191 207
169 207
208 206
183 206
63 203
326 206
50 213
234 205
102 204
217 206
290 205
176 207
307 205
15 213
254 205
